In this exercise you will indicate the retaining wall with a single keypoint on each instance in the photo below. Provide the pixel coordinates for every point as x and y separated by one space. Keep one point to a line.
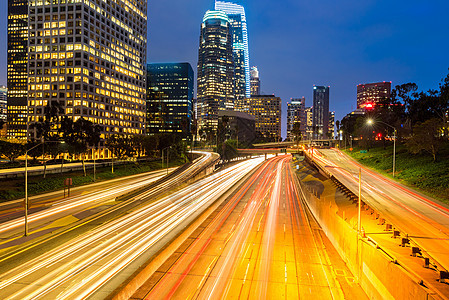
378 273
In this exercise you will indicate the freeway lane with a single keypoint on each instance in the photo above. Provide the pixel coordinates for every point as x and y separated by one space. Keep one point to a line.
83 266
261 244
423 219
46 208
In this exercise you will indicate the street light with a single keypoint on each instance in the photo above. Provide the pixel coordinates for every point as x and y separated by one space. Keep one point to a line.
371 122
26 181
168 148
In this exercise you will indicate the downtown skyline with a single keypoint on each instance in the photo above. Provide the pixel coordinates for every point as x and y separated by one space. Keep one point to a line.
296 47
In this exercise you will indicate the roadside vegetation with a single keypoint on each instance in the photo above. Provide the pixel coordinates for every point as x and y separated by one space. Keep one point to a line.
14 189
418 171
419 121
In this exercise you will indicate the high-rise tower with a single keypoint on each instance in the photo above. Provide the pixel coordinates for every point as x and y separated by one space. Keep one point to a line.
169 98
90 57
216 81
296 115
239 32
320 112
255 81
17 68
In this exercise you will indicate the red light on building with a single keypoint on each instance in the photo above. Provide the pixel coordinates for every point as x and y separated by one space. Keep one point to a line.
369 106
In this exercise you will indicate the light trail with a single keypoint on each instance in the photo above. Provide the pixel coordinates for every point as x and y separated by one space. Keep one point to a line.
79 268
425 221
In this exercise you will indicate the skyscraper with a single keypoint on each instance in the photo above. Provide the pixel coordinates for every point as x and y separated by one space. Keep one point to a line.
239 32
309 122
331 125
90 57
17 68
296 115
255 81
369 94
320 112
169 98
3 110
216 81
267 111
3 102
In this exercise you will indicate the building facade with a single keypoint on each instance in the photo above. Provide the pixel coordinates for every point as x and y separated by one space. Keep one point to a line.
296 115
240 47
216 72
89 57
369 94
309 122
267 111
255 82
241 126
331 130
3 103
320 112
170 98
17 72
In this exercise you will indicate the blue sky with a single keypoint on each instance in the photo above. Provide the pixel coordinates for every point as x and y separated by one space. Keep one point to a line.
297 44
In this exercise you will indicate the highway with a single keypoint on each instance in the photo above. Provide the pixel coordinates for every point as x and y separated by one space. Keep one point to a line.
425 220
261 244
96 262
54 204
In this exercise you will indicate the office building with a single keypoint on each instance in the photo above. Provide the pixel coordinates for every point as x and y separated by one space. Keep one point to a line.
90 58
3 110
309 123
320 122
331 130
17 60
241 126
369 94
267 111
3 103
239 33
169 98
255 81
296 115
216 84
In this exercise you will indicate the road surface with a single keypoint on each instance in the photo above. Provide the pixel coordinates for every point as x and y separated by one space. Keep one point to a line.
425 220
260 244
95 263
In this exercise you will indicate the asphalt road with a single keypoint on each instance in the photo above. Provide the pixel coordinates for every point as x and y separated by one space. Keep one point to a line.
425 220
94 263
260 244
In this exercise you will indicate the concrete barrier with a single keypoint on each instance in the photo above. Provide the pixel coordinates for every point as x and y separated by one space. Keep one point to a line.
378 273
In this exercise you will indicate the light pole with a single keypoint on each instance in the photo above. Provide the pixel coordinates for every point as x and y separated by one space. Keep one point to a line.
26 182
168 148
371 122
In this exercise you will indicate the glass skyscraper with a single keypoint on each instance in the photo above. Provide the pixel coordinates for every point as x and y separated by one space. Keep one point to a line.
216 73
17 68
320 112
239 31
169 98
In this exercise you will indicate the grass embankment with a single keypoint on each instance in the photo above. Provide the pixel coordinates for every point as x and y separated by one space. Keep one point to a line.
418 171
15 189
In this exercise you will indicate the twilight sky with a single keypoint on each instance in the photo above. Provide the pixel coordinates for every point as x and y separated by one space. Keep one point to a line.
299 43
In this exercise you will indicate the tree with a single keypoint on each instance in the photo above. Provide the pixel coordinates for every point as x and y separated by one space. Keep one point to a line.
150 145
426 137
12 150
79 135
297 133
120 147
